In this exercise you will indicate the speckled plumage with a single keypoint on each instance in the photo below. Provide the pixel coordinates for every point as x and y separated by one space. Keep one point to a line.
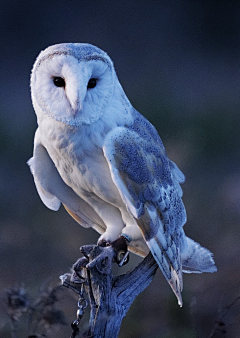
96 155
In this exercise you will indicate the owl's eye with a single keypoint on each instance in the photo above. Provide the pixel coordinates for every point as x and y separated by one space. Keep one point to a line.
92 83
59 81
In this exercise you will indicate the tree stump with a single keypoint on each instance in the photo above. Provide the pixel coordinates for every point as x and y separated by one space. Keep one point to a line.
109 297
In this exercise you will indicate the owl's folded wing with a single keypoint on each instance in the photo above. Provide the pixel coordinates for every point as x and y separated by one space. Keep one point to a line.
149 185
54 191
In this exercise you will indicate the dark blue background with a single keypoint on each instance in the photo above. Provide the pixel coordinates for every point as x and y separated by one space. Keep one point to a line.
179 64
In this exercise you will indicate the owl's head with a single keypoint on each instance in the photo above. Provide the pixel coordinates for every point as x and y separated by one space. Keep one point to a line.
72 83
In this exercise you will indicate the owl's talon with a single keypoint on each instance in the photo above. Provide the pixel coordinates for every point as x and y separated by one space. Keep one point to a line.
103 243
125 258
120 246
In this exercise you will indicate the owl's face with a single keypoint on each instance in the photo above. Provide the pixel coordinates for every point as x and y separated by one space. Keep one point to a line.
72 83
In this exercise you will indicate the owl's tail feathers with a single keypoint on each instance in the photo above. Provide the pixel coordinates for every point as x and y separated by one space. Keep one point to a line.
196 259
176 285
172 273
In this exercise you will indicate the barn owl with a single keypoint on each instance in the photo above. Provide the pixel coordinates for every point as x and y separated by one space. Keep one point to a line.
100 158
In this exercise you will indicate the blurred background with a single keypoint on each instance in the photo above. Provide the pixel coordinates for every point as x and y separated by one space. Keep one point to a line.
179 64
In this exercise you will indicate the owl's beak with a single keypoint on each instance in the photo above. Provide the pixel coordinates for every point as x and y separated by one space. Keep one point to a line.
76 95
81 97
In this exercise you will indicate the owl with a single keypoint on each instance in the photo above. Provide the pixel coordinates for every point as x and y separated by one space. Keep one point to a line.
100 158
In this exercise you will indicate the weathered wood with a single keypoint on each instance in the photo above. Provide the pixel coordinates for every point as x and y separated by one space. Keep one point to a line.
110 297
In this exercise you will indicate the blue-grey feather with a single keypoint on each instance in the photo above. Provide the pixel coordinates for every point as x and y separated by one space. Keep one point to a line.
148 174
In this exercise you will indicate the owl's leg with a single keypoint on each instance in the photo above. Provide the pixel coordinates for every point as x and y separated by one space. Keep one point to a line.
111 216
113 234
121 229
120 245
131 230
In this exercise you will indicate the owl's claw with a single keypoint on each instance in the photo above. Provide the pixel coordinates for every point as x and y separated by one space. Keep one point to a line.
103 243
122 258
120 247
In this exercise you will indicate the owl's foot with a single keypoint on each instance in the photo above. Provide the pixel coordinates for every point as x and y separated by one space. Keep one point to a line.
103 242
120 247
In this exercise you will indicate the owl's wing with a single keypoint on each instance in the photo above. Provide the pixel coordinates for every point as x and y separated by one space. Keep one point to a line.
149 185
54 191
